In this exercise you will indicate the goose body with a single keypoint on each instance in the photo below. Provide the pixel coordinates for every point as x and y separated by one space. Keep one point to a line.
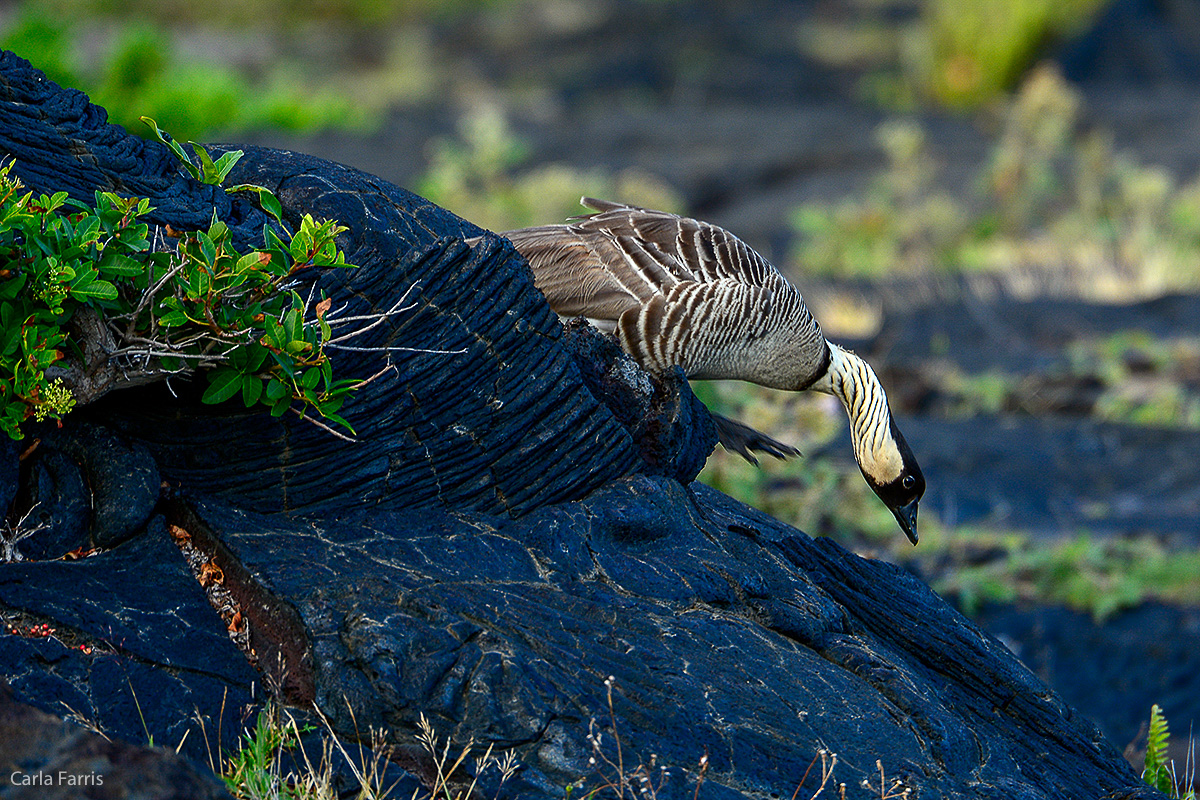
680 292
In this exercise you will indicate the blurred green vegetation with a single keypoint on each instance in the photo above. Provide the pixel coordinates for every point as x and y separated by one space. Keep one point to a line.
134 65
1097 576
1146 380
275 14
1051 208
1128 377
1052 205
483 175
965 53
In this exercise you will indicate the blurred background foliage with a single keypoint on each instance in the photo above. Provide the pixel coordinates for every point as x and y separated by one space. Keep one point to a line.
1050 197
1053 203
483 175
204 69
954 53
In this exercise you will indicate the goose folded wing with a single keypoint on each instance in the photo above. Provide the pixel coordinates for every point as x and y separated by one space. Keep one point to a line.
703 252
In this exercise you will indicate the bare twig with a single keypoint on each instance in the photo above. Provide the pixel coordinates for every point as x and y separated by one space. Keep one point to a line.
322 425
396 349
378 319
12 535
828 760
379 374
148 295
896 790
146 352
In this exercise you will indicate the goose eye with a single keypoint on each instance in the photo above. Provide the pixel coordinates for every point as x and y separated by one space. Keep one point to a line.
908 482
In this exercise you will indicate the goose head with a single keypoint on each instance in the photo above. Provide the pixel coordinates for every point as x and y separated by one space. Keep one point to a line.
892 472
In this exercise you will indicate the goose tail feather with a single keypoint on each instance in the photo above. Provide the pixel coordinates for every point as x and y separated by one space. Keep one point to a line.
742 439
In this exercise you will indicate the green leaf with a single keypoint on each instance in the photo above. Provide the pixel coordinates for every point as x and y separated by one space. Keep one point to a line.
299 248
173 319
248 262
217 230
122 265
175 147
293 326
98 289
208 170
312 376
275 333
281 406
63 272
88 230
267 200
225 164
273 242
276 390
223 383
332 417
10 287
1158 772
200 285
256 354
270 204
252 389
207 248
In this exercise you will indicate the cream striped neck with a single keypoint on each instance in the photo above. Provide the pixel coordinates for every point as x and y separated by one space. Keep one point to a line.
851 380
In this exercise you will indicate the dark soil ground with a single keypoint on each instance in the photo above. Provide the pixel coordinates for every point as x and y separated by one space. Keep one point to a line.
713 99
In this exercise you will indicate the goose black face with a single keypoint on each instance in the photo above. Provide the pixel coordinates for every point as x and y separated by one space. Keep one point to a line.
904 493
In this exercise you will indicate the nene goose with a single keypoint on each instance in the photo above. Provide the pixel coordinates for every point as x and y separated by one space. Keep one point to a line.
679 292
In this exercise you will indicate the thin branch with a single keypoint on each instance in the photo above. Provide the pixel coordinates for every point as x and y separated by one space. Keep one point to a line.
381 372
232 338
311 290
376 317
203 358
149 294
398 348
396 308
323 426
12 535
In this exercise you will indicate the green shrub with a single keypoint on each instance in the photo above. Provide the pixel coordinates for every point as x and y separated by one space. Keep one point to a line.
204 305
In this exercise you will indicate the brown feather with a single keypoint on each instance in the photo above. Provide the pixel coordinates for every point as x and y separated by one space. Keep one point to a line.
679 292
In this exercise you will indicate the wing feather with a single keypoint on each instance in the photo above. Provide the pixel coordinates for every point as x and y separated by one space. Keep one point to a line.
701 250
677 291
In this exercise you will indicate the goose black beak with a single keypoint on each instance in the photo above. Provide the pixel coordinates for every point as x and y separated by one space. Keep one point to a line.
907 517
